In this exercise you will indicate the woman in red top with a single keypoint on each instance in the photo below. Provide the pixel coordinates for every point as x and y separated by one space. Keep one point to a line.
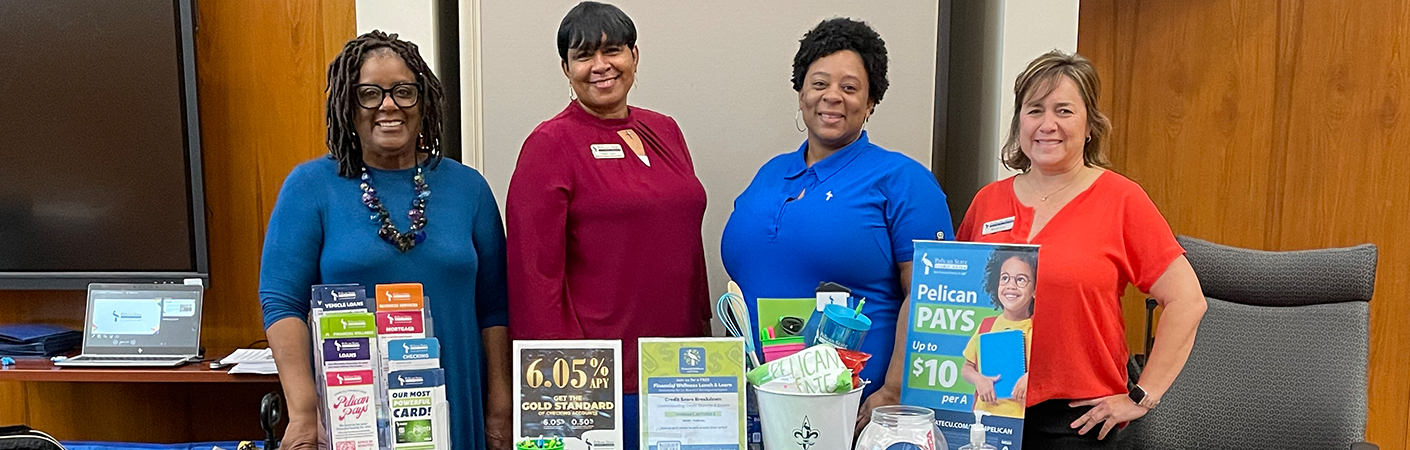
604 210
1098 232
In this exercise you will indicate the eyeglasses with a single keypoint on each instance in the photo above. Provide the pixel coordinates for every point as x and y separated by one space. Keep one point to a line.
1020 280
404 95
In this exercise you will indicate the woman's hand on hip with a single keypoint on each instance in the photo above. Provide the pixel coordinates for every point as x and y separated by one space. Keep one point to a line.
1108 411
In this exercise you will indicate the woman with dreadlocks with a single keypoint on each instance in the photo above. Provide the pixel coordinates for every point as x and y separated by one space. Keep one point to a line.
338 219
604 210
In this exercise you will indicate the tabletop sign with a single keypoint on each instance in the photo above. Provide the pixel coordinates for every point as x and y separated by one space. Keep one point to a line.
969 336
569 389
692 393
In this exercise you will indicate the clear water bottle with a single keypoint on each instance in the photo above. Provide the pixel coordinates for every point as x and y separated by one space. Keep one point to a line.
901 427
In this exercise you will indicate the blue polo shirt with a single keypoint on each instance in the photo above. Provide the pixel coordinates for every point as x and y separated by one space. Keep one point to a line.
849 219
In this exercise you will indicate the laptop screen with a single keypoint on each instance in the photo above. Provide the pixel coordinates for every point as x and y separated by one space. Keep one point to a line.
143 320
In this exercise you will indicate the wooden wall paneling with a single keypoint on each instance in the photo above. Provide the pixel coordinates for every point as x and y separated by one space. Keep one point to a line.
134 412
1347 131
1105 30
230 40
1096 40
260 73
1277 125
262 68
1207 134
1189 124
12 403
57 307
224 411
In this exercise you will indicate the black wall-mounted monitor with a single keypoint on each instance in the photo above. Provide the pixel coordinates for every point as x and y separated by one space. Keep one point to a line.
100 155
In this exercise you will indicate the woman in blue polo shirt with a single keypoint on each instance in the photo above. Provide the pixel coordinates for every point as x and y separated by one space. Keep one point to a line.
839 208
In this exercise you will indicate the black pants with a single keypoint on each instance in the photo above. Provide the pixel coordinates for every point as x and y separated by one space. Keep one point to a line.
1049 425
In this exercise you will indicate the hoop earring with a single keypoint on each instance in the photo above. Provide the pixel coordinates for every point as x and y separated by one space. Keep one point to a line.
1089 139
798 121
572 95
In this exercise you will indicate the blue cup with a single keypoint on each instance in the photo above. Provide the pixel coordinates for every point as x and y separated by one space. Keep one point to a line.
842 327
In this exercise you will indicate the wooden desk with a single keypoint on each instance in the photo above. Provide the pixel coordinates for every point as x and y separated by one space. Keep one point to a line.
41 369
190 403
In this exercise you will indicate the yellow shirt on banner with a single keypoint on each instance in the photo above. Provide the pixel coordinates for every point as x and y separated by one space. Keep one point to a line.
1005 407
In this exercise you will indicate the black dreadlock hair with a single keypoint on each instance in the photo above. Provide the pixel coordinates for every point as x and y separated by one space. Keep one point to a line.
343 73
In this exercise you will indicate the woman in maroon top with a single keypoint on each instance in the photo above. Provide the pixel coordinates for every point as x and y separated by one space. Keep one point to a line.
604 210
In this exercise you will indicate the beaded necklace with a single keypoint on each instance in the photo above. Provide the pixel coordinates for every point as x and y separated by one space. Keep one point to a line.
417 214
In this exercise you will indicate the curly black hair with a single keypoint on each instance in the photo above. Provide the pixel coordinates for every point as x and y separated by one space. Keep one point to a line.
343 74
995 266
592 25
834 35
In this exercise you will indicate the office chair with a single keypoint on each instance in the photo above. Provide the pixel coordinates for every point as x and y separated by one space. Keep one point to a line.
1280 358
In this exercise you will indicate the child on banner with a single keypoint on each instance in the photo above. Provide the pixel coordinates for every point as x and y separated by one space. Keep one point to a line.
1009 281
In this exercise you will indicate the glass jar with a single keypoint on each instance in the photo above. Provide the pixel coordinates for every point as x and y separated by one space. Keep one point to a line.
911 426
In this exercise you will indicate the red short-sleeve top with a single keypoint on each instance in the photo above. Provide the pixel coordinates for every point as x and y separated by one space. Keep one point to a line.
1110 236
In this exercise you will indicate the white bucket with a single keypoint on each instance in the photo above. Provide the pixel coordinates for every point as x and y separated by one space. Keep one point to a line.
794 421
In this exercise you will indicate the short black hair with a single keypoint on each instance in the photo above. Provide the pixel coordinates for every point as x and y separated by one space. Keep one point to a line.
996 265
343 73
834 35
592 25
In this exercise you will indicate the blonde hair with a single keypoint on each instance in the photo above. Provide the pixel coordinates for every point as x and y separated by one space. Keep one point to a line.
1037 81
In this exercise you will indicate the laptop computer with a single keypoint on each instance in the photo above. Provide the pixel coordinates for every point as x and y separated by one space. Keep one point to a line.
140 325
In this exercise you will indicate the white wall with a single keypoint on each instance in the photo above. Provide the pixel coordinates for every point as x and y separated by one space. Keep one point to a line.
992 43
1030 29
412 20
720 68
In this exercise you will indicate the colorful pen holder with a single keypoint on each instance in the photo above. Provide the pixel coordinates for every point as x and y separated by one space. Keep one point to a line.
781 347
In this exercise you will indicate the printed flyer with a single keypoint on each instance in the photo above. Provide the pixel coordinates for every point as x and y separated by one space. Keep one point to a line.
692 393
569 389
968 340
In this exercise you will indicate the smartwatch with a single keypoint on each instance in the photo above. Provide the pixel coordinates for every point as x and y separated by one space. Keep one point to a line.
1139 396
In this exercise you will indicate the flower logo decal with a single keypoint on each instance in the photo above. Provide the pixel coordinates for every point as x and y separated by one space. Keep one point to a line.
806 435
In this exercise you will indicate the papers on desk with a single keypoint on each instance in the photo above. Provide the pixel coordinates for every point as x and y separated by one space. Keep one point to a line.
248 360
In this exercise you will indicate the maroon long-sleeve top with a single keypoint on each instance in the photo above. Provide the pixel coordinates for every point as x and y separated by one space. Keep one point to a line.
602 245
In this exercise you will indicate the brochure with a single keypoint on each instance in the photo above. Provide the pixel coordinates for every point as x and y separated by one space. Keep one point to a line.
569 389
420 416
969 336
692 393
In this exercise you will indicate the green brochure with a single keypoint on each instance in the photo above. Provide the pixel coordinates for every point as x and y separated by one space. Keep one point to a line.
692 393
347 325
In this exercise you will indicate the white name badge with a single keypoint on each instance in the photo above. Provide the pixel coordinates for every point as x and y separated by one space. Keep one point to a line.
996 226
607 151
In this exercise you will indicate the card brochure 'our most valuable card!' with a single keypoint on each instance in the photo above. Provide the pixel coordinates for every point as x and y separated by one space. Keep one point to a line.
420 416
969 336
